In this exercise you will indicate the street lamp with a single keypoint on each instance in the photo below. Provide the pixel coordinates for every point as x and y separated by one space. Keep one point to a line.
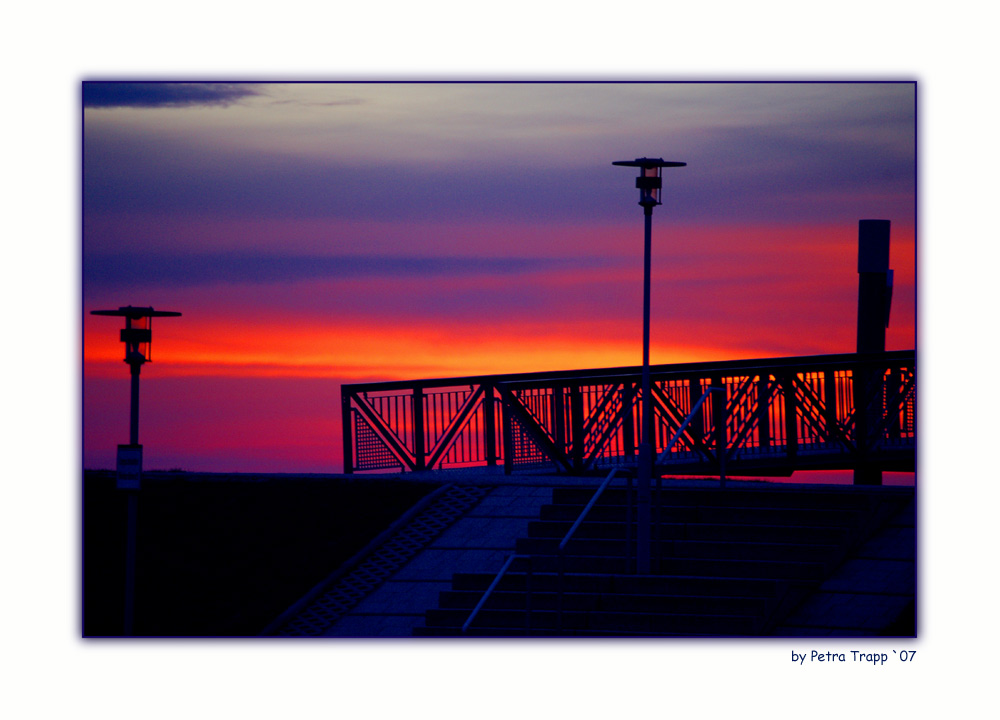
138 337
649 184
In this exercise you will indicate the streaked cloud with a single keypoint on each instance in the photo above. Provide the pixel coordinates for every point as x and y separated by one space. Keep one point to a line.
152 269
97 94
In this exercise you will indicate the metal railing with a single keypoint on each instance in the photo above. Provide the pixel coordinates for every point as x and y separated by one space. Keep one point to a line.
773 416
493 585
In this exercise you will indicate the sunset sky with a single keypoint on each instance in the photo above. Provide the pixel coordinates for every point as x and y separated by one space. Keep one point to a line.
314 234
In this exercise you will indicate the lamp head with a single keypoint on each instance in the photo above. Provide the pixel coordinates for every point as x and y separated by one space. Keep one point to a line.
649 181
138 331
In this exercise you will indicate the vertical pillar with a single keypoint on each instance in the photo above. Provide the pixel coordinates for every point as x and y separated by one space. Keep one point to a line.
697 426
646 459
419 455
791 417
628 421
347 428
830 402
559 416
133 425
874 299
763 416
894 386
576 419
874 285
489 424
507 423
719 400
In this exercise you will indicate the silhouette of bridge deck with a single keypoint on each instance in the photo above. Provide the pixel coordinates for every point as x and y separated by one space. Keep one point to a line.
770 416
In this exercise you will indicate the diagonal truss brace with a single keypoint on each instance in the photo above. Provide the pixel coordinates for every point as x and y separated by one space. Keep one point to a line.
675 416
612 426
531 426
457 423
383 430
833 429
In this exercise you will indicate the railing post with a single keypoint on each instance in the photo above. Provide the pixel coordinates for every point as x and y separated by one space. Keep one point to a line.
894 385
507 423
576 410
763 414
867 384
697 426
419 456
489 424
559 416
347 428
830 400
791 416
719 399
628 422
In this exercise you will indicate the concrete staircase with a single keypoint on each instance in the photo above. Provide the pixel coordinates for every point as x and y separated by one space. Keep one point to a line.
724 562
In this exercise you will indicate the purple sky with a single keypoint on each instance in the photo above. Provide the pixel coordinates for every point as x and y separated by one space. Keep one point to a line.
396 231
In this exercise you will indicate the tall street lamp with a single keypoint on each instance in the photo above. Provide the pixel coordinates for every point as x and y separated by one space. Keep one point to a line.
138 337
649 183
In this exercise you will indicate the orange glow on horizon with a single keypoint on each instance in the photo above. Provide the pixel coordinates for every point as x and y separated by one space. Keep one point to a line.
356 352
244 337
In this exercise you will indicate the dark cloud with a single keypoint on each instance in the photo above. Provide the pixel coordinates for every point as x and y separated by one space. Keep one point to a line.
162 94
852 163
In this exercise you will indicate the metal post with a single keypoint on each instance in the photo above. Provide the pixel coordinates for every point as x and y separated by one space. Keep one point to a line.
719 418
347 430
628 422
576 418
132 496
763 414
649 185
133 426
507 424
489 424
645 448
418 429
129 471
874 299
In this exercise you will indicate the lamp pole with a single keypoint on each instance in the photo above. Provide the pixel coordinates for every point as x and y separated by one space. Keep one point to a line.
138 340
649 184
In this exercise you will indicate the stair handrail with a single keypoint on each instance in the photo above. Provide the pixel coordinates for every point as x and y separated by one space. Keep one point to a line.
583 514
687 421
489 591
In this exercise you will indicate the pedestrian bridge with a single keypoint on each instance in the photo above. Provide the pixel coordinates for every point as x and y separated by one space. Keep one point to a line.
770 416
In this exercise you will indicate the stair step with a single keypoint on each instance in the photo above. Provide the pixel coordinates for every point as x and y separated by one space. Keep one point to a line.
624 584
770 569
494 632
727 562
466 601
722 515
615 622
683 548
774 496
819 534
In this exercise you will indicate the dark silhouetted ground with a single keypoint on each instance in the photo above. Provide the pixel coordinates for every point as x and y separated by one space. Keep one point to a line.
225 555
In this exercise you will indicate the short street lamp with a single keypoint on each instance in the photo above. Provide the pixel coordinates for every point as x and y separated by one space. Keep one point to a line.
649 183
137 336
